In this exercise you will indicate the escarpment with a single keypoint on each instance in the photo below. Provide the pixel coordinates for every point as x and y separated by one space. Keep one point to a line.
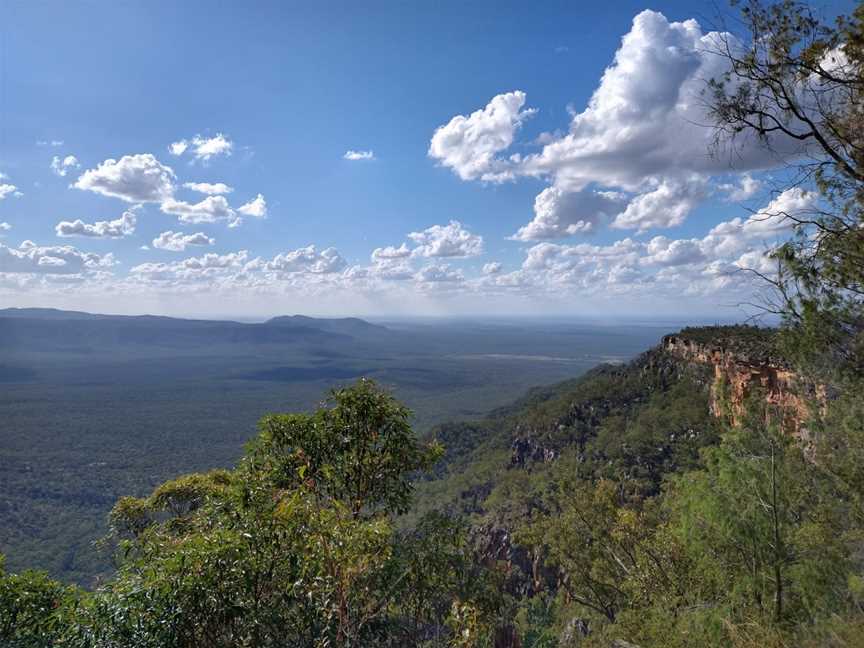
746 367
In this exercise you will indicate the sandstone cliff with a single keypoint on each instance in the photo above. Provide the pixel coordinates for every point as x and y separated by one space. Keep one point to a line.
743 371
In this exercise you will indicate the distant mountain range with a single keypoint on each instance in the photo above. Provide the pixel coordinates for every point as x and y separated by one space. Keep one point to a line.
52 329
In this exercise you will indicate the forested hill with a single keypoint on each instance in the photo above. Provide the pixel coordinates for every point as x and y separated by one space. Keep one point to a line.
57 330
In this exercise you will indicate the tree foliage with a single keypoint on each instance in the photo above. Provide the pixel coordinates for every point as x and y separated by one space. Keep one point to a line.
797 85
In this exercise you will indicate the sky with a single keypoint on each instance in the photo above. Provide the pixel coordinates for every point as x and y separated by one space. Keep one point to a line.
386 158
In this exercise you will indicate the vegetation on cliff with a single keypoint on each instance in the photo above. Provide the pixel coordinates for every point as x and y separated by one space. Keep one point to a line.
758 343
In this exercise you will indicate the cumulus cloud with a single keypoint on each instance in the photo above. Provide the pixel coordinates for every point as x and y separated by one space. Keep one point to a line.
29 258
391 271
438 273
306 259
178 242
746 188
665 206
390 253
304 270
210 210
211 189
765 225
641 134
123 226
451 240
358 155
62 166
5 227
674 267
7 189
470 145
203 148
137 178
193 269
789 207
587 264
645 119
661 251
256 208
558 214
492 268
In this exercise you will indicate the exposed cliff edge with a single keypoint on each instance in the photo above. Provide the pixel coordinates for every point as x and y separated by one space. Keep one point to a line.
745 364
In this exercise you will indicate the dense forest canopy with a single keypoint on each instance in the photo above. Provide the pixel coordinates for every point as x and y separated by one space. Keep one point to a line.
614 510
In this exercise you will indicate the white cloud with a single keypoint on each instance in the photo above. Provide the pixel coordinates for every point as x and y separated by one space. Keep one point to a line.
764 226
396 270
358 155
178 148
746 188
210 210
667 205
584 264
306 260
30 258
51 143
642 133
451 240
256 208
390 253
193 269
674 268
660 251
217 261
134 178
306 270
203 148
558 214
438 273
5 227
178 242
758 261
646 118
392 271
62 166
492 268
7 189
211 189
782 212
123 226
470 145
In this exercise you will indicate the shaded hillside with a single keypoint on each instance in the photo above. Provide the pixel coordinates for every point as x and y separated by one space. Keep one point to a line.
344 325
51 330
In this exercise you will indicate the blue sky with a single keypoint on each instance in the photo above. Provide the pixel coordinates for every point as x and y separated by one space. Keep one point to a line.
269 98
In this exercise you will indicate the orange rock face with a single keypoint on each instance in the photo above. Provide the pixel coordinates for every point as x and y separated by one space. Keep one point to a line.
785 397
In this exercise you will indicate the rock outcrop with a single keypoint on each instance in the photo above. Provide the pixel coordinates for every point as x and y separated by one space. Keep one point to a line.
526 449
741 373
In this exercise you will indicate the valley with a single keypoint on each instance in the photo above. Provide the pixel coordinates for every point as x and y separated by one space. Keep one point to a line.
97 407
